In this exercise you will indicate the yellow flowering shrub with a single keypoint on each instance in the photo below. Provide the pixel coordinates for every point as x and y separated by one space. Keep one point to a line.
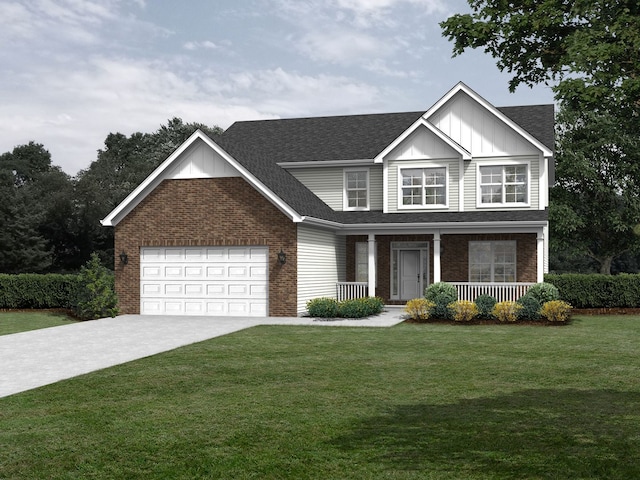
556 311
463 310
506 311
419 308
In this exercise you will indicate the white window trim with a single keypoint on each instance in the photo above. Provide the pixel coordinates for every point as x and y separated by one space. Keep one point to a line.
493 242
502 163
345 195
423 166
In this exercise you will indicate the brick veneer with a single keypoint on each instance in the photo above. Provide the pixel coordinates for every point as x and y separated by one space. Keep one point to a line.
454 260
219 211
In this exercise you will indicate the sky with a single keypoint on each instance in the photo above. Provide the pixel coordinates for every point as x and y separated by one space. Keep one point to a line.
74 71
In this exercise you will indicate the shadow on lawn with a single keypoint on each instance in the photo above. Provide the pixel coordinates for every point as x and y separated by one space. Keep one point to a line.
529 434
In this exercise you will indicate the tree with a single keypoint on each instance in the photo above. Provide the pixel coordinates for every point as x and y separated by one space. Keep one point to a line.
595 206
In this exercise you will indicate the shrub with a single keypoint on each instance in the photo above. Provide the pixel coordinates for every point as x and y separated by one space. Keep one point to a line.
96 297
485 304
419 308
374 305
556 311
323 307
530 308
544 292
598 291
463 310
506 311
441 294
32 290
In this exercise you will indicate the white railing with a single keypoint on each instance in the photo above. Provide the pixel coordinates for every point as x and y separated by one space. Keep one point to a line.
351 290
500 291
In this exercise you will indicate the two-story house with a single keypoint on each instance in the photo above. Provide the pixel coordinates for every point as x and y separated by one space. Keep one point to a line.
273 213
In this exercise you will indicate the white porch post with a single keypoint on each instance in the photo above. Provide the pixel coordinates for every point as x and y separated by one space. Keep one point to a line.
436 256
372 264
540 243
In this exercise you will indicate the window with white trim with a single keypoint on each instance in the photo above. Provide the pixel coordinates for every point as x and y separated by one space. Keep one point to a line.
492 262
504 184
356 189
423 187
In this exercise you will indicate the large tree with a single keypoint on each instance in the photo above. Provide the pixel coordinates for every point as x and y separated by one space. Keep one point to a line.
588 51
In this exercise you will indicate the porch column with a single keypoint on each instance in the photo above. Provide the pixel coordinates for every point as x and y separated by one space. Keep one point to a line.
540 242
372 264
436 256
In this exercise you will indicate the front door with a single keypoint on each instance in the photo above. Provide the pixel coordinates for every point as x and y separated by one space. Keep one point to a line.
410 274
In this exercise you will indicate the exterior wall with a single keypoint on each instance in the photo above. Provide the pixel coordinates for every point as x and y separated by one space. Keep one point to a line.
455 259
218 211
328 184
321 263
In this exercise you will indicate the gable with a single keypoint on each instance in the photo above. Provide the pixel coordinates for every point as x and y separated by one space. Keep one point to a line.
420 144
478 129
201 161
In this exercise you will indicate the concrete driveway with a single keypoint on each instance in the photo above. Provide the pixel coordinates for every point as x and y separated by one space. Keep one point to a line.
40 357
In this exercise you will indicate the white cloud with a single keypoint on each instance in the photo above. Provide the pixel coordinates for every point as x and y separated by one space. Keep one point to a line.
208 45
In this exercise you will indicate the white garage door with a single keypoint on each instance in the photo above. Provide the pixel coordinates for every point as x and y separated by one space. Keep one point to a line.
204 281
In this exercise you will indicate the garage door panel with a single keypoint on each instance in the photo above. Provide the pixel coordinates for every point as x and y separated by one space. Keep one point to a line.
204 281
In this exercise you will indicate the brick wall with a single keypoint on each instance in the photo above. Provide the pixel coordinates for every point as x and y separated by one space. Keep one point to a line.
219 211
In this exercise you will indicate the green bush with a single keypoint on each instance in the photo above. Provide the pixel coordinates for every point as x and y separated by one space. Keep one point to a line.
544 292
96 296
441 294
485 304
530 308
598 291
323 307
38 291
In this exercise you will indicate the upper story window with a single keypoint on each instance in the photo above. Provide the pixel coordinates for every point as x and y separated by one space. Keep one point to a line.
423 187
504 185
356 189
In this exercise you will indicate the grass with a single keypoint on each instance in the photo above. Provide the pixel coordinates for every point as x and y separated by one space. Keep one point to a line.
15 322
411 402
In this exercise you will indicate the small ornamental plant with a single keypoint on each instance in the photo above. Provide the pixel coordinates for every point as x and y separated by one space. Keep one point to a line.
419 308
556 311
463 310
506 311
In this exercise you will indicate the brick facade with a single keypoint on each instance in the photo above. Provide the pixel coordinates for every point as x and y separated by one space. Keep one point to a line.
454 259
218 211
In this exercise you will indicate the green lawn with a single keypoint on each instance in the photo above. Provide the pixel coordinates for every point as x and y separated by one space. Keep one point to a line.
14 322
410 402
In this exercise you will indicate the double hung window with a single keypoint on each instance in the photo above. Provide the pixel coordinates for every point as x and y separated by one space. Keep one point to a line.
423 187
503 184
493 262
356 189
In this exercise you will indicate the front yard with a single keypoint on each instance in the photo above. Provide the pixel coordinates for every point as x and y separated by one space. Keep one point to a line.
23 321
411 402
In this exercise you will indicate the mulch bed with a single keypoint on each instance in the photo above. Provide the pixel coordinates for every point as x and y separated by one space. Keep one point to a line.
440 321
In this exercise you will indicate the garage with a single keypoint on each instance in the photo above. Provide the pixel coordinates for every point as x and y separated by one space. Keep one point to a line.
213 281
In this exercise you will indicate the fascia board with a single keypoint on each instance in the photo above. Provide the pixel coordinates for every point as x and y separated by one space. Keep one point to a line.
443 228
462 87
325 163
154 179
414 126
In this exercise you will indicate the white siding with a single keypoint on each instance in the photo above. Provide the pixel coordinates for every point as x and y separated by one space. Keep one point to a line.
201 161
321 263
422 143
328 184
478 130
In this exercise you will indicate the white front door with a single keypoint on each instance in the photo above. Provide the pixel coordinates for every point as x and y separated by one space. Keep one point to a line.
410 274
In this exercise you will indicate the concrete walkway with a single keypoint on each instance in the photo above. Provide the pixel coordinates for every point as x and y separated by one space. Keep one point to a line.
40 357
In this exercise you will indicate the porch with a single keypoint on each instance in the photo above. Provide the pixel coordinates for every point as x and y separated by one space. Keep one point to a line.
466 291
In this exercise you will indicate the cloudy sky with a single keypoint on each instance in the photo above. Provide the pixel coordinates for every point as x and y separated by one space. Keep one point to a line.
75 70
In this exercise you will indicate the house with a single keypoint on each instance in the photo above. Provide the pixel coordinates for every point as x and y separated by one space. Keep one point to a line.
273 213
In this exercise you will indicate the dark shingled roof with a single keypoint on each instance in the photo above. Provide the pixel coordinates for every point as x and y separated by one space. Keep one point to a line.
260 145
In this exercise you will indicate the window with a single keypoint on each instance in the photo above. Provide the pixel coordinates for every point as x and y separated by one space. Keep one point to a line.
362 262
493 262
503 184
423 187
356 187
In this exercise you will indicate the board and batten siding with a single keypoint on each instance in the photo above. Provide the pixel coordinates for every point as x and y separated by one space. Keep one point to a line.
321 264
471 187
328 184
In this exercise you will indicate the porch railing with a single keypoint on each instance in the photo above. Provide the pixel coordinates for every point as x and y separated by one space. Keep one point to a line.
351 290
500 291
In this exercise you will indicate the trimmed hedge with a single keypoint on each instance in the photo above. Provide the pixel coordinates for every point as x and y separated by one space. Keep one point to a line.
325 307
31 290
598 291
